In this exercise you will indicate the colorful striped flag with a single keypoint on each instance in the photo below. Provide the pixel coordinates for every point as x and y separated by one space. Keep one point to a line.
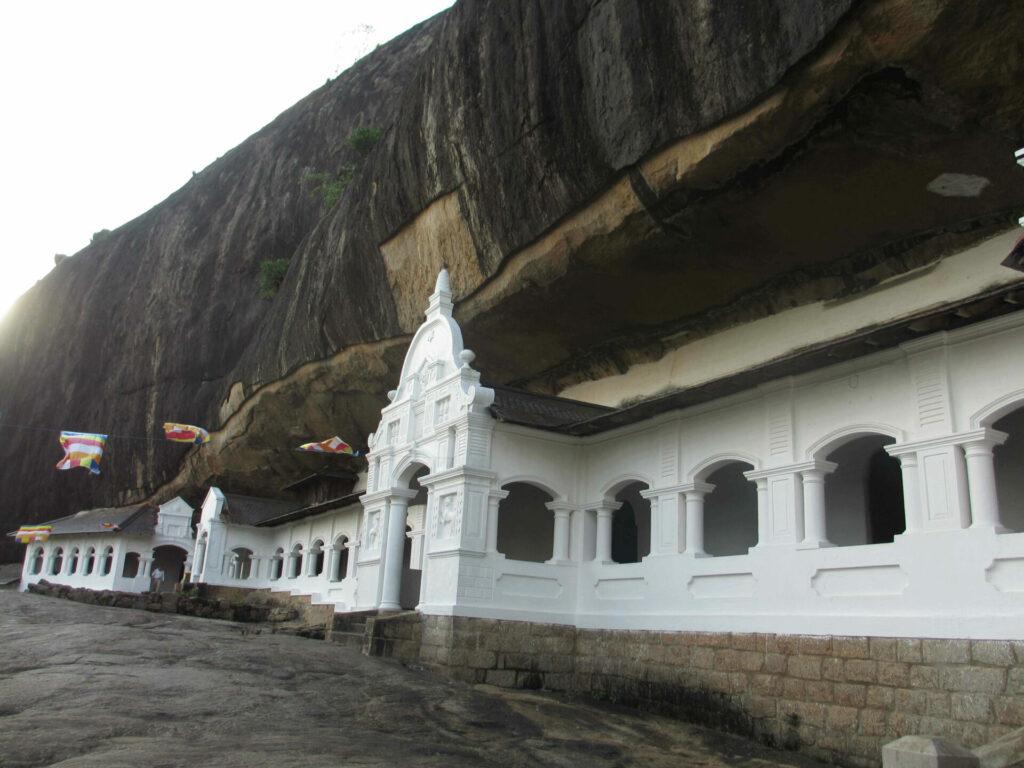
29 533
331 445
82 449
185 433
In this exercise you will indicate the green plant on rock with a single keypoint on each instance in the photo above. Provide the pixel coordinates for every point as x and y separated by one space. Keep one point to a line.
364 138
272 272
330 188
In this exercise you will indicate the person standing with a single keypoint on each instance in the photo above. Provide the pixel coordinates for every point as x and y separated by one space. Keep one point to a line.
158 578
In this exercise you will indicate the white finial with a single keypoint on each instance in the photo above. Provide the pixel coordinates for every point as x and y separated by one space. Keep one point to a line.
441 299
467 356
443 282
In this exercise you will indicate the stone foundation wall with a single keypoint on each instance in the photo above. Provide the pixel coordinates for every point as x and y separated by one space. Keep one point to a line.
835 698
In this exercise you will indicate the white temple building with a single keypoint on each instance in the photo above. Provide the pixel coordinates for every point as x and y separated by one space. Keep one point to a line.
115 548
844 468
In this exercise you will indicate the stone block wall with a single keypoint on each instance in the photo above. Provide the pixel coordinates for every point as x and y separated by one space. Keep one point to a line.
835 698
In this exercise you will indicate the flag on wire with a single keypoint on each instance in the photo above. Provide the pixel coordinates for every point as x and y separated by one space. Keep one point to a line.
29 533
82 449
185 433
331 445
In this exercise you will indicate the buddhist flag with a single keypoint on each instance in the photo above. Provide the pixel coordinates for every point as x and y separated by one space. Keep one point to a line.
29 533
185 433
332 445
82 449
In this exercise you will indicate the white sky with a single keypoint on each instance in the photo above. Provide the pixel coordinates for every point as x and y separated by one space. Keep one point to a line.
108 106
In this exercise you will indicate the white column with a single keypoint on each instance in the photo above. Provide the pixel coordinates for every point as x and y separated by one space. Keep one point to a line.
911 491
332 564
493 502
762 509
695 493
561 543
815 532
605 513
394 547
981 480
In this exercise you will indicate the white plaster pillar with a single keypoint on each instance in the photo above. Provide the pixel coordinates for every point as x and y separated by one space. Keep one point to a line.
332 564
394 547
981 480
561 543
199 561
761 484
935 486
603 549
493 502
911 491
695 493
815 530
353 559
311 559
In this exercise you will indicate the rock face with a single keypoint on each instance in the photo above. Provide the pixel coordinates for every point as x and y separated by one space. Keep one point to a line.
602 178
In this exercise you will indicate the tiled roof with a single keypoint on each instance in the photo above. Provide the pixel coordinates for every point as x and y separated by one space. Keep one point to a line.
253 510
134 520
542 411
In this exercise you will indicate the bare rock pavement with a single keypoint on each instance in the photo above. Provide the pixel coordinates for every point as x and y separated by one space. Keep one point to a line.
84 685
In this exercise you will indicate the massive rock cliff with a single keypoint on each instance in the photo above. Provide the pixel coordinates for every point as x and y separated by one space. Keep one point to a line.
603 178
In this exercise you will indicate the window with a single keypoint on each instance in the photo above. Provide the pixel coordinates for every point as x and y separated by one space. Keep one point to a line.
107 561
37 561
241 562
341 559
864 496
73 565
525 525
130 569
57 562
730 511
90 560
277 564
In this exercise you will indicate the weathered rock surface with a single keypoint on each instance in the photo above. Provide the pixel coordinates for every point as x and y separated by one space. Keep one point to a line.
604 177
85 685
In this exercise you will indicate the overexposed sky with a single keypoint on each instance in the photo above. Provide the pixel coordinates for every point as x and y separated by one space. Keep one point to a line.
108 106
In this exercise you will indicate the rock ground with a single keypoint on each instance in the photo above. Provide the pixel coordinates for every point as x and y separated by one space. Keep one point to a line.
84 685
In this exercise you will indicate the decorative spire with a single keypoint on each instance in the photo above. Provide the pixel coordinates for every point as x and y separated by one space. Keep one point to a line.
441 299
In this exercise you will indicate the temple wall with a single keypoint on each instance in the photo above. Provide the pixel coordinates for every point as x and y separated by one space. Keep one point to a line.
837 698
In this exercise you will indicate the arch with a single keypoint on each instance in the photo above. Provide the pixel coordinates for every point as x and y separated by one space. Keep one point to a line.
997 409
277 564
90 561
56 561
130 567
837 438
241 563
615 485
1007 460
410 468
864 495
295 557
703 470
73 559
339 570
631 523
526 527
107 561
535 482
730 510
38 559
171 560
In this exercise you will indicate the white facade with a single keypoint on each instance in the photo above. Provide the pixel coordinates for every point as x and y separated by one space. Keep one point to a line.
870 497
94 556
311 556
